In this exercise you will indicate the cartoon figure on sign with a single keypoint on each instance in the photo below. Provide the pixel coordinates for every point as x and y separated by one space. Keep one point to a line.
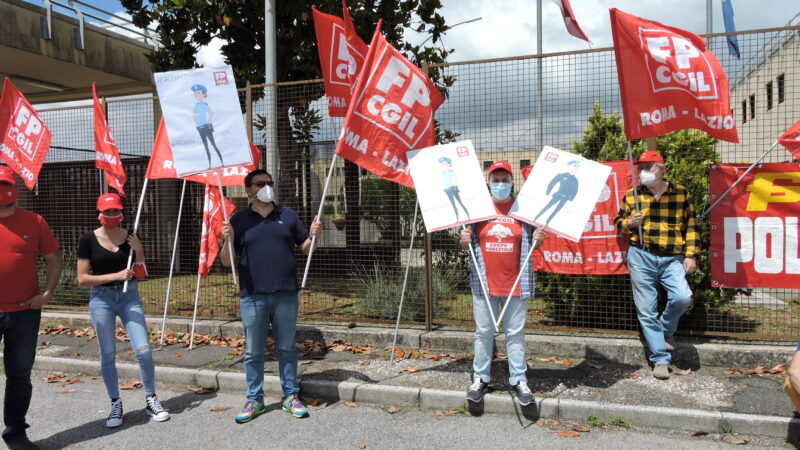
500 232
202 116
449 182
567 189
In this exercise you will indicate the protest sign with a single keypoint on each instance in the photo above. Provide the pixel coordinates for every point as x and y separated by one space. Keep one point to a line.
203 119
24 138
561 192
450 185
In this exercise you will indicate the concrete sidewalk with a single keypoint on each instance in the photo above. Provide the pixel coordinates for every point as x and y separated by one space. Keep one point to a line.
573 377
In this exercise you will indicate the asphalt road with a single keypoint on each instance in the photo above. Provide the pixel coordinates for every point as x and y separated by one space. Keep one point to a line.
76 420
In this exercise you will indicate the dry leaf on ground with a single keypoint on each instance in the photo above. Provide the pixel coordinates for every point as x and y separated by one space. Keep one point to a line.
71 391
682 372
393 409
567 362
735 441
54 378
438 415
582 429
632 376
362 445
220 408
548 359
411 369
77 353
72 381
451 413
780 368
399 353
730 371
351 404
568 434
201 389
364 363
131 384
339 348
699 433
176 355
303 363
415 355
759 369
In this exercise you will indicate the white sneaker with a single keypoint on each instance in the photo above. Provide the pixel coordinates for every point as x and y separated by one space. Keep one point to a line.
155 410
115 418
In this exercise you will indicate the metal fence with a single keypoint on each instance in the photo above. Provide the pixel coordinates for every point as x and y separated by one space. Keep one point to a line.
357 272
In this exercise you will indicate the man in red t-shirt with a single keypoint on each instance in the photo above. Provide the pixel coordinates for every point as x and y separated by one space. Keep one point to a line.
23 236
500 244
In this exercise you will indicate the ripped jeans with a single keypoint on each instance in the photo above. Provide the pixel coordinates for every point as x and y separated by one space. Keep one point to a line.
105 304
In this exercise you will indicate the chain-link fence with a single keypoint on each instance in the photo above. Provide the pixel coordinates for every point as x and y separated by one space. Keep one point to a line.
509 108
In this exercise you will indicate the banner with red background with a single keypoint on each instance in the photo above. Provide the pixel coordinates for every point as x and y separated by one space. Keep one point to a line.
24 138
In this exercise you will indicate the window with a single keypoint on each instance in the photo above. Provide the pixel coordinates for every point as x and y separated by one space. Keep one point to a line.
487 164
752 106
744 111
769 95
781 91
524 163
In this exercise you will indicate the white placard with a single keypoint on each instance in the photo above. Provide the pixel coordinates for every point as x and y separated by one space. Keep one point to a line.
561 192
204 120
450 185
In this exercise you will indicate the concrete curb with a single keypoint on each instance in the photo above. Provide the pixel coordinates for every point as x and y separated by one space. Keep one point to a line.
437 399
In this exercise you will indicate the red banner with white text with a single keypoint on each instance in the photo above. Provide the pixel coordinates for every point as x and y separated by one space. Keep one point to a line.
669 81
24 138
213 218
105 149
754 229
602 248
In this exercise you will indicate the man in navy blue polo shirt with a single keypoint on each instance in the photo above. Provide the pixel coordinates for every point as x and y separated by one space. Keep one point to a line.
265 237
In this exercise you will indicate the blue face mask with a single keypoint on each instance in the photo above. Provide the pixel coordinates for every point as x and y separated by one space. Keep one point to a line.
501 191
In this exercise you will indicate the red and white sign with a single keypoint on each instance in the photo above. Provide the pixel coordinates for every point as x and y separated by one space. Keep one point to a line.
754 229
213 218
106 153
602 248
341 54
791 140
669 81
569 20
391 113
161 164
25 138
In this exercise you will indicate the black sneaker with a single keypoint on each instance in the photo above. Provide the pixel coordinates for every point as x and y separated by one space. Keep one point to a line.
476 392
21 443
115 418
155 410
524 394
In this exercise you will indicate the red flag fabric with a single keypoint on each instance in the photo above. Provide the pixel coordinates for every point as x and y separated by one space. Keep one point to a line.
25 138
105 149
791 140
161 164
668 80
569 20
341 54
391 112
213 218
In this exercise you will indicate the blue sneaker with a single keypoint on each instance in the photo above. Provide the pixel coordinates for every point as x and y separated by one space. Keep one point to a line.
295 407
251 410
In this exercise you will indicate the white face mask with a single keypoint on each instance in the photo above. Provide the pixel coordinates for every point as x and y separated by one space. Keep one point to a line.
265 194
648 178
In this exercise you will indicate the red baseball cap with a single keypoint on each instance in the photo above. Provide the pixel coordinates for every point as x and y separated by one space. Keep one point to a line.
650 156
7 175
108 201
526 171
500 165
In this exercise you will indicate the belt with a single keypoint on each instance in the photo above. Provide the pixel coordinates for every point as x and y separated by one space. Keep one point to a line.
653 250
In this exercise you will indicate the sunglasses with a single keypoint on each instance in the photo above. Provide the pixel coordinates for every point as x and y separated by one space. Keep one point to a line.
261 184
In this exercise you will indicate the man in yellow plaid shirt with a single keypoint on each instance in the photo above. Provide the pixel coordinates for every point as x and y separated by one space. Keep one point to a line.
664 243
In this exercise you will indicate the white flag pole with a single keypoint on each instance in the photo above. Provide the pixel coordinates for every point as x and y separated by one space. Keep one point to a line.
738 180
635 192
172 264
516 282
405 280
483 286
227 220
319 217
136 228
194 315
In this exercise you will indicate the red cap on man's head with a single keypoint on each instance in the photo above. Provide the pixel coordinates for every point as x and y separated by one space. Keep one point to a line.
108 201
7 175
526 171
650 156
500 165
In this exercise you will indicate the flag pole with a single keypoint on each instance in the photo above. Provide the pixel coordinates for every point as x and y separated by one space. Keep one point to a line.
136 228
227 220
483 286
319 217
194 315
738 180
516 282
635 192
172 263
405 279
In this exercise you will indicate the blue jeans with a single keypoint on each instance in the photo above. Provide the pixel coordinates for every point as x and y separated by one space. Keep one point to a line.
646 270
514 328
259 312
105 304
19 331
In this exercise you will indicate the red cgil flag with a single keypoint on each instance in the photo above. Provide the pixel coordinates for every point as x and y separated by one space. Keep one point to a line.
161 164
391 112
669 81
213 219
791 140
25 138
570 21
341 54
105 149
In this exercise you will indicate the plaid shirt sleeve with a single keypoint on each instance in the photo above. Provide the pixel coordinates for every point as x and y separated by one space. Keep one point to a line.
625 212
691 236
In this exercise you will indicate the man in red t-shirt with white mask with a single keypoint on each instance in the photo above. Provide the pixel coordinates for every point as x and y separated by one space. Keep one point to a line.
23 236
500 244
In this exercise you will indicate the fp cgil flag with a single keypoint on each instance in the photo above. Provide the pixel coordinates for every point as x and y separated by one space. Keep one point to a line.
391 112
341 54
569 20
25 138
213 218
105 149
161 164
668 80
791 140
